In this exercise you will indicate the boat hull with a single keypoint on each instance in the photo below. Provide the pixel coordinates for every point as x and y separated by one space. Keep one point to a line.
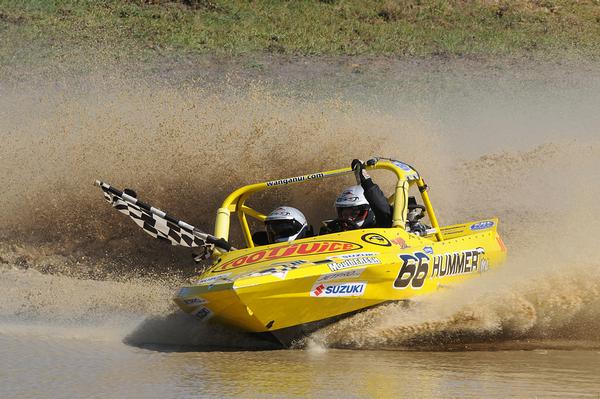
283 287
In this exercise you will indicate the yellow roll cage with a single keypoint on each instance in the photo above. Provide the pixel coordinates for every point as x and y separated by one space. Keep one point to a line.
405 174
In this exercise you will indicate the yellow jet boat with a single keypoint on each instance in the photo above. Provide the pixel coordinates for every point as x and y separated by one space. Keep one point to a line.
290 289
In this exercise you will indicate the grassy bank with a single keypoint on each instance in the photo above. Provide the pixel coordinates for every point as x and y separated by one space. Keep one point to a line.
48 28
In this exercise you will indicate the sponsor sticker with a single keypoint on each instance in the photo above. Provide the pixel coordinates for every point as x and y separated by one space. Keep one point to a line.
352 273
322 290
279 270
428 250
296 179
376 239
367 260
213 279
195 301
482 225
291 265
453 230
484 266
281 211
402 166
306 249
411 174
347 196
203 313
399 241
418 266
355 255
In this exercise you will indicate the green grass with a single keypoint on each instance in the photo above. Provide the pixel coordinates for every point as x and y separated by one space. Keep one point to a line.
125 29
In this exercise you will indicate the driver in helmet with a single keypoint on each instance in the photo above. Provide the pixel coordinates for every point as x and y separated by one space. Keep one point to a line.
361 206
353 210
286 224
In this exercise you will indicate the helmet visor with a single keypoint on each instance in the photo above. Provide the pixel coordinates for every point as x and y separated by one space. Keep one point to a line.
355 214
282 230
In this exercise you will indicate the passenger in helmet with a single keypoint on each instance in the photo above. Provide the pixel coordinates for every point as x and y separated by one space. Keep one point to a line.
286 224
361 206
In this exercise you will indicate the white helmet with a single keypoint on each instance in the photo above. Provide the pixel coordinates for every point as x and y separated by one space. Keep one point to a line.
286 224
352 206
351 196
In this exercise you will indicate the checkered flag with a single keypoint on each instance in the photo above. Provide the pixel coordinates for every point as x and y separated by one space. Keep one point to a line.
160 225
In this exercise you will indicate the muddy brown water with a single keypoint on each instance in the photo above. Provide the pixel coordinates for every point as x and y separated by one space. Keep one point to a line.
56 365
85 307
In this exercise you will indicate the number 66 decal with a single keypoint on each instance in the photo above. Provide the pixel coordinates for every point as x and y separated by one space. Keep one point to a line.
413 271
